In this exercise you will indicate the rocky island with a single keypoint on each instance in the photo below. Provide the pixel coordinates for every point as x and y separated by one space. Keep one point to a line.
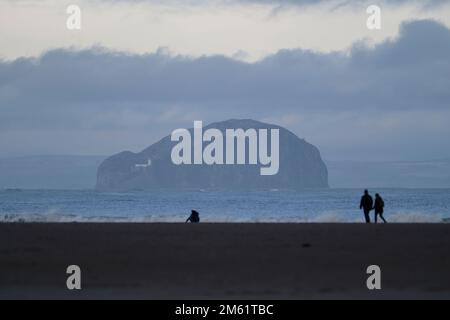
300 166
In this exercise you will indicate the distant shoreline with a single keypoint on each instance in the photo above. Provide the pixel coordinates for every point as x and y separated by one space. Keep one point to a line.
359 189
71 172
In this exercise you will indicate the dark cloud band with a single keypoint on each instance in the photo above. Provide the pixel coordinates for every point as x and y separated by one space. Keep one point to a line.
100 90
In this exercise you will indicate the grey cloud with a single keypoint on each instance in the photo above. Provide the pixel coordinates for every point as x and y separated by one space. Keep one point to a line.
424 4
338 95
343 2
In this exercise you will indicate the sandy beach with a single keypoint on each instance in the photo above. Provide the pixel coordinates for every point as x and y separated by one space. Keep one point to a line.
224 261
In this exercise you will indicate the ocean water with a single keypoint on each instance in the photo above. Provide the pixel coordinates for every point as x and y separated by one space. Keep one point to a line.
333 205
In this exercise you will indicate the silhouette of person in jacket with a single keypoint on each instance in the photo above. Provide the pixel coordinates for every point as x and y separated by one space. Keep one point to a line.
379 208
194 217
366 204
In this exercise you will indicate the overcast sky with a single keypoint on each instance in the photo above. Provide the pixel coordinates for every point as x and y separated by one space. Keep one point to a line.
140 68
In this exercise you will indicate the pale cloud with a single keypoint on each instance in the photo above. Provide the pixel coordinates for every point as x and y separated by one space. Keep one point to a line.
196 28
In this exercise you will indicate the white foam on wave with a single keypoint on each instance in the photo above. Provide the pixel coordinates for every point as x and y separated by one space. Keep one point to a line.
398 217
56 216
52 215
415 217
330 217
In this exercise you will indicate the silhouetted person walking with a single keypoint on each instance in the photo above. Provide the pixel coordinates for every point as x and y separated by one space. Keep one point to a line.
379 208
194 217
366 204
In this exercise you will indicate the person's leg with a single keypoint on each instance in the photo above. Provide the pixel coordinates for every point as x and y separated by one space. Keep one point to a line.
376 217
367 216
382 218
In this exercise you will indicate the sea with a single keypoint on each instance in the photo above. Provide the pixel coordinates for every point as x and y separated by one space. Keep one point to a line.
306 206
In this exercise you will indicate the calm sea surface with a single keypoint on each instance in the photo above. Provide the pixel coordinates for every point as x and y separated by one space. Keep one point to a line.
333 205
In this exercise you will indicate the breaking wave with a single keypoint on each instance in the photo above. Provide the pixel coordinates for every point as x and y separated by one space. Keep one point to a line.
55 216
416 217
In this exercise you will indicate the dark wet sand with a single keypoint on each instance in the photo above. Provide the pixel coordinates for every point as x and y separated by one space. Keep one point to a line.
224 261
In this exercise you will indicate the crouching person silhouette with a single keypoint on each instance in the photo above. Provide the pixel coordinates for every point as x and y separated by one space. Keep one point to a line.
194 217
379 208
